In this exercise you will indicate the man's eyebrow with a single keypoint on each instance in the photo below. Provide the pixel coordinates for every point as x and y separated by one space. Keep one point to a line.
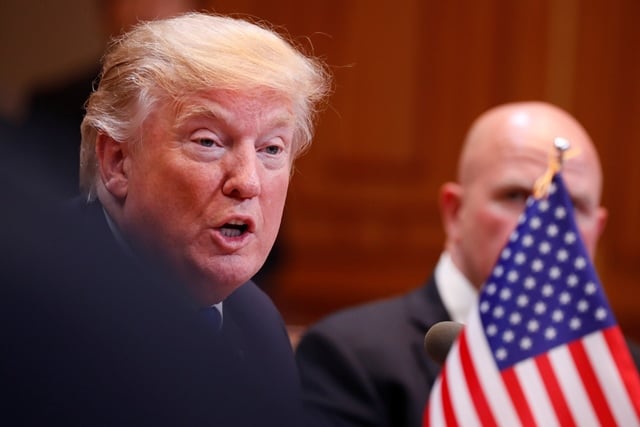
200 111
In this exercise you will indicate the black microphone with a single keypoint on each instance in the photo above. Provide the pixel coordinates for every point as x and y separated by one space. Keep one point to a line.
439 339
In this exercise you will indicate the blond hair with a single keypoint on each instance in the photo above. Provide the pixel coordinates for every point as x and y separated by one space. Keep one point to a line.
167 59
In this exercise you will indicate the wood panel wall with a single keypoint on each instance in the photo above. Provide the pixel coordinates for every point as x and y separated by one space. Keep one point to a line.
362 219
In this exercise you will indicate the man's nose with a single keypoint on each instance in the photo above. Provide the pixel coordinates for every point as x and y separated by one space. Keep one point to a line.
242 179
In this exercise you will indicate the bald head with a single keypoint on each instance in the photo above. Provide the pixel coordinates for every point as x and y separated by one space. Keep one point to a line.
526 127
506 149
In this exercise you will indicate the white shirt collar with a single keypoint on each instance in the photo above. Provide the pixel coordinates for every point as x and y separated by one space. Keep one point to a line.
457 293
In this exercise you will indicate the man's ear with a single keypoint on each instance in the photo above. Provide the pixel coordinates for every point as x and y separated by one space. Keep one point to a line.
450 203
113 160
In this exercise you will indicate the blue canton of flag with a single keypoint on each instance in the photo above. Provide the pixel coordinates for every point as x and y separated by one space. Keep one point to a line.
543 292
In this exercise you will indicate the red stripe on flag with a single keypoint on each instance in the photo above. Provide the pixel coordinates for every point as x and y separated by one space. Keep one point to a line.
473 384
518 398
447 409
556 396
591 384
624 364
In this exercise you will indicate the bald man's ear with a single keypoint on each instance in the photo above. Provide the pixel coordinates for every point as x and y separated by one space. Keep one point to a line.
603 217
113 160
450 203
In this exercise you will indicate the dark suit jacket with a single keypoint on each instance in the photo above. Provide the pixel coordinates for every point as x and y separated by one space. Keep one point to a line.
93 337
366 366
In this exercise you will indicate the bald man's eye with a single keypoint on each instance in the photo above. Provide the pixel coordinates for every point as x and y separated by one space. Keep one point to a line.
517 195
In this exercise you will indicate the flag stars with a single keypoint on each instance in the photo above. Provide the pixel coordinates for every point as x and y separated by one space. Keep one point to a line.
501 353
520 258
544 247
498 312
505 294
562 255
569 237
557 316
484 306
550 333
537 265
590 288
514 236
572 280
526 343
506 253
512 276
540 308
555 272
498 271
565 298
492 330
535 223
543 205
529 283
582 306
491 288
533 325
580 263
560 212
527 240
601 313
522 300
515 318
575 323
552 230
508 336
547 290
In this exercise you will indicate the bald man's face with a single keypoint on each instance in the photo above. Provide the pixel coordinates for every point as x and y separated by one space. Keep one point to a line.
499 175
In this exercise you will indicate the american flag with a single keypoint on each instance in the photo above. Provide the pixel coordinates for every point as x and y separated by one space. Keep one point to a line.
542 346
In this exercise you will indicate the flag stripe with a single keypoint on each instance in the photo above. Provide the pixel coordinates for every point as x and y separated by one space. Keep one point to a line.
536 394
571 384
552 386
625 365
449 414
609 379
475 390
591 385
459 388
518 397
500 410
433 415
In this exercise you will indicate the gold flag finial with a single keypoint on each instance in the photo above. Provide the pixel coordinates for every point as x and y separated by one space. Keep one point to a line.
563 152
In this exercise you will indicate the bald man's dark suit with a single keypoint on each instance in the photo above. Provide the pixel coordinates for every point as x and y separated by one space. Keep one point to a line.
368 364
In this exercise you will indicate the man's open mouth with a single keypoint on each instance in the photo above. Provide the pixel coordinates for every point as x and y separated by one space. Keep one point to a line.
233 229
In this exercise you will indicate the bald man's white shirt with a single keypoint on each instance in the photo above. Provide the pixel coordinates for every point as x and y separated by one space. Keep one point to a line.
457 293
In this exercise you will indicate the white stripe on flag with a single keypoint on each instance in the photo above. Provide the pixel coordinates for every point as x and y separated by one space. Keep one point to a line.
609 378
460 398
536 393
436 417
488 374
572 387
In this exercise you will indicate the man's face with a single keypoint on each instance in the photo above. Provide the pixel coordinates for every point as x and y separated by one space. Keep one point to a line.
207 187
492 201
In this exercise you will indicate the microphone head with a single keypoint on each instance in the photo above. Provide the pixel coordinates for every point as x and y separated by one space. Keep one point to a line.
439 339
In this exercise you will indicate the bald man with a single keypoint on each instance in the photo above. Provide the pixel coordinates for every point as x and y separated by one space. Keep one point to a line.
366 366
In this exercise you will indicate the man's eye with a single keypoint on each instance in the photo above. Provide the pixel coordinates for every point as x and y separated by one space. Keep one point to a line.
206 142
517 195
273 149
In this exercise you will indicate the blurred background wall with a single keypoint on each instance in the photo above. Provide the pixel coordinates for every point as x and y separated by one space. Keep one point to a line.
362 219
